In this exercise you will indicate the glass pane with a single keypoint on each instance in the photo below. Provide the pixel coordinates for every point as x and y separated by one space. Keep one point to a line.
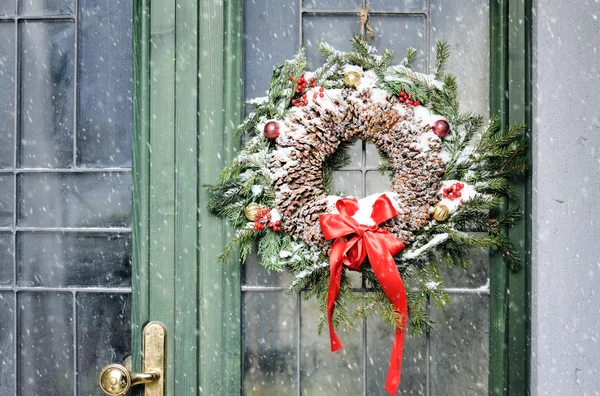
7 7
347 184
270 37
324 372
398 33
335 29
46 94
46 7
355 154
346 5
7 339
103 336
376 183
104 112
269 343
466 29
6 199
45 343
380 337
474 276
73 259
372 154
7 91
404 5
75 200
257 275
395 32
460 347
6 259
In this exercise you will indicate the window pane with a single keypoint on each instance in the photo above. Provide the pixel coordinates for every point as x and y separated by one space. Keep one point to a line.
7 339
104 112
257 275
46 7
103 336
269 343
7 92
465 26
332 4
6 199
324 372
270 37
75 200
74 259
46 94
404 5
460 347
380 337
45 343
7 7
6 259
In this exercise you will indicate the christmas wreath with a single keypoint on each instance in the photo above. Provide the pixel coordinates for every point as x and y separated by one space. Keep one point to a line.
448 172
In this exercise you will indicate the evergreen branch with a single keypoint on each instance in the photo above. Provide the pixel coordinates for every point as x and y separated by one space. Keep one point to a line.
442 51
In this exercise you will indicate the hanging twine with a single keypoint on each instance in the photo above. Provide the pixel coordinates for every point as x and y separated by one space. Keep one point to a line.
365 24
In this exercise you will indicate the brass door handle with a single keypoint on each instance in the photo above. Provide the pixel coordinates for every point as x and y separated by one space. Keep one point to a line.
116 380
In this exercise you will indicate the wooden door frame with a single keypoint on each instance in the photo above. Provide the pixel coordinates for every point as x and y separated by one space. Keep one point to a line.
187 99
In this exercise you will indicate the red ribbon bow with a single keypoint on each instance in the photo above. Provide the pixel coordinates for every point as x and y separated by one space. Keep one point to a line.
353 242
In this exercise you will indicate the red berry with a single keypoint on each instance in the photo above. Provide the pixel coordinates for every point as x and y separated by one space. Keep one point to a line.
292 78
417 103
461 185
315 96
321 94
303 96
321 89
458 194
277 222
312 79
293 101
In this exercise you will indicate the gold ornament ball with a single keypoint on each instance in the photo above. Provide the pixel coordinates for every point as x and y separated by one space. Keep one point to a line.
441 212
351 79
251 211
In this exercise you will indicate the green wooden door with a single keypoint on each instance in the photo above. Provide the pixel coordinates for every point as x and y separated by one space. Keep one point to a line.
188 87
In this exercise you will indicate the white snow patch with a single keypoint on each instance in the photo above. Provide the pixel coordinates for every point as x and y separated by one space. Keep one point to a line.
423 145
379 95
285 254
368 79
275 215
257 189
354 68
436 240
432 285
445 155
426 117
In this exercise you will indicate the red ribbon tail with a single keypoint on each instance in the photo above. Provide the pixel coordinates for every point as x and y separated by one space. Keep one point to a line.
392 381
335 276
391 282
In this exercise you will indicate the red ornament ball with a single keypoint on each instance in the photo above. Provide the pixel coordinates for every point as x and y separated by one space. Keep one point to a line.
441 128
271 130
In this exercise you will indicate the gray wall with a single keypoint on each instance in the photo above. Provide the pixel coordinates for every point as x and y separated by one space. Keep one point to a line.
566 198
